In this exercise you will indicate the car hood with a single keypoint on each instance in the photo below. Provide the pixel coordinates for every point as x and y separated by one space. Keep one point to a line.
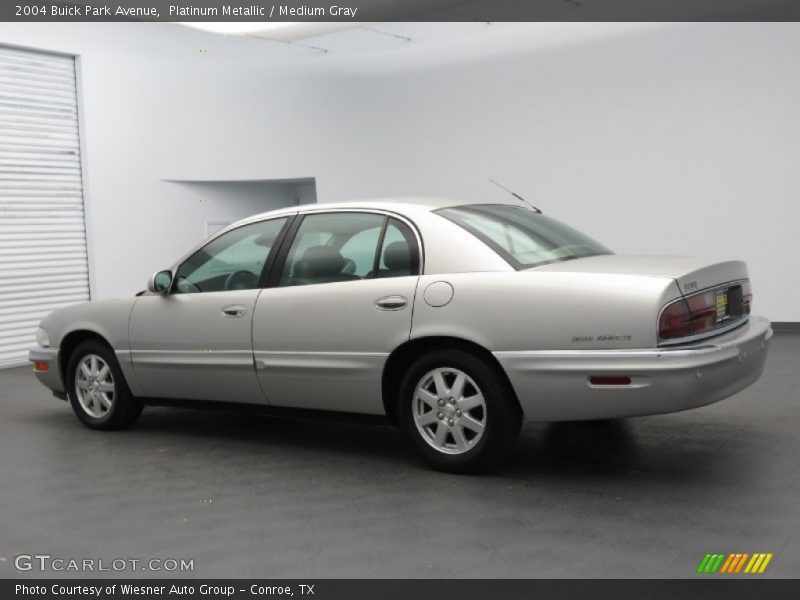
690 272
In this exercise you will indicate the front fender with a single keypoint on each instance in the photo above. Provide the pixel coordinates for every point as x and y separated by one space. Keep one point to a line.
107 319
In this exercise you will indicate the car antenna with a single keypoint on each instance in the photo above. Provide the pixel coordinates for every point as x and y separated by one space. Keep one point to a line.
517 196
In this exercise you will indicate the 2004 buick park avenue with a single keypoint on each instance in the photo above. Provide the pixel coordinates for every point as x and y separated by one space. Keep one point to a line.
456 320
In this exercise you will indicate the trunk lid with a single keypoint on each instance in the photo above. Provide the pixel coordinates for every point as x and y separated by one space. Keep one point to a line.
692 274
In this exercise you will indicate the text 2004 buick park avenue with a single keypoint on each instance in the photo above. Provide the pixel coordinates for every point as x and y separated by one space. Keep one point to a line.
456 320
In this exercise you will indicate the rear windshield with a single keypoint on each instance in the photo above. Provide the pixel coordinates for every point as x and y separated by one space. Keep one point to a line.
522 236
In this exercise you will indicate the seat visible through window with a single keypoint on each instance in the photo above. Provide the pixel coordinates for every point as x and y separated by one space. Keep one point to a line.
397 260
349 246
321 264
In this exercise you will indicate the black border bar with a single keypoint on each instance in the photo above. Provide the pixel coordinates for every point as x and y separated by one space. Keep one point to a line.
700 587
400 10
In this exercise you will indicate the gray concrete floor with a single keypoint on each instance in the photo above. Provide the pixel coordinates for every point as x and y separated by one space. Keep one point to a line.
248 496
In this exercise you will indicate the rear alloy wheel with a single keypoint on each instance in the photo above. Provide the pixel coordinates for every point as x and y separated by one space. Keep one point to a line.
97 390
458 411
449 410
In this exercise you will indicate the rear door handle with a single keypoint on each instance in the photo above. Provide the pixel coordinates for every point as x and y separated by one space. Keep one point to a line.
234 310
391 303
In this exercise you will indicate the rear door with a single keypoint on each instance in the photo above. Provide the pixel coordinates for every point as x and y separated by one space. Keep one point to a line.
340 303
195 342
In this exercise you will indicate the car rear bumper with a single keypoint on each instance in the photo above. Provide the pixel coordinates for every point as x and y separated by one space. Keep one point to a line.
50 377
554 385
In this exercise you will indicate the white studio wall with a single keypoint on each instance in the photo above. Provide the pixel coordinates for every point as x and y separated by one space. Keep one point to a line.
679 139
228 201
648 149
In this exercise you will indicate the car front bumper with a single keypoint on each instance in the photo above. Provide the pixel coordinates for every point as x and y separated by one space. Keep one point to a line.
555 386
51 376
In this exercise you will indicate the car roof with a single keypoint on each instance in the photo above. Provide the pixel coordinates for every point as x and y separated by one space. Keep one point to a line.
399 204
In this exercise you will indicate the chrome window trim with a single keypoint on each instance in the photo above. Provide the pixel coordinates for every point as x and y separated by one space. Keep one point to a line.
316 209
377 211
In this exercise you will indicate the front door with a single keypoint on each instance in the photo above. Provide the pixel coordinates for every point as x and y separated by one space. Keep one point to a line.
194 343
341 303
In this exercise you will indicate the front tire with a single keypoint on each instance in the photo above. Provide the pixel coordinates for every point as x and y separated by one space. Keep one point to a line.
459 412
98 393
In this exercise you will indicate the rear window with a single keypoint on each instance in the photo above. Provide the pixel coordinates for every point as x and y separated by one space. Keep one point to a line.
522 236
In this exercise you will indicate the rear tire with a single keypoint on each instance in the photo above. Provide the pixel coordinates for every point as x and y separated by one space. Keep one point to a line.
97 390
459 412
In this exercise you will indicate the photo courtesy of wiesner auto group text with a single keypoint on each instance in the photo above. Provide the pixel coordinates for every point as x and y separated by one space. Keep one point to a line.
448 299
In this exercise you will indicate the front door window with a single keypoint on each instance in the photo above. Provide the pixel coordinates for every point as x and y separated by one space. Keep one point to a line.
233 261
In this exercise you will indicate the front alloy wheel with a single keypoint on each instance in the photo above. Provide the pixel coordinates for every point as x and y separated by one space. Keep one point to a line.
97 389
94 386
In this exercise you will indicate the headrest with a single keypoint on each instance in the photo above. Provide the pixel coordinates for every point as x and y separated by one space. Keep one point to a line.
396 256
324 260
302 271
349 266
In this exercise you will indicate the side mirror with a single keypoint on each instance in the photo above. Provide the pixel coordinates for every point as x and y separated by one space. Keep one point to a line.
159 283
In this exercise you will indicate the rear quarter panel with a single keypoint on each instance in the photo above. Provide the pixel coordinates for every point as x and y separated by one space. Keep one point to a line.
539 310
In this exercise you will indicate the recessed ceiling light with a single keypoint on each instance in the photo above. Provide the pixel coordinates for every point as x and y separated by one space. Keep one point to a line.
233 28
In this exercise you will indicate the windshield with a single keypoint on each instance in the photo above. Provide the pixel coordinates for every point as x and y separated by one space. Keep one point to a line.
522 236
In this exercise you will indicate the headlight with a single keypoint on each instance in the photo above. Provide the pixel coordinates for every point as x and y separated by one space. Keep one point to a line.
42 338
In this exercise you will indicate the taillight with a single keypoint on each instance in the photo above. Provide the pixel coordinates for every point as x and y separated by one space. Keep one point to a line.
704 312
698 313
675 321
747 297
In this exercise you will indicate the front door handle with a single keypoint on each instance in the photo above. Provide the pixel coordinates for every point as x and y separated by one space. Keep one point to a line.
391 303
234 310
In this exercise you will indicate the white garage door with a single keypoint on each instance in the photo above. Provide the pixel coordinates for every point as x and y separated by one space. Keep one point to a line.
43 263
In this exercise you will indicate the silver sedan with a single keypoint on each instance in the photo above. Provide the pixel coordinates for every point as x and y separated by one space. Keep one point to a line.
454 320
